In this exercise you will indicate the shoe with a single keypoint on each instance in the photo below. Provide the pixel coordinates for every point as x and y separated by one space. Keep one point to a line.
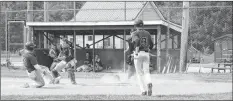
52 81
74 83
149 89
57 80
144 93
26 85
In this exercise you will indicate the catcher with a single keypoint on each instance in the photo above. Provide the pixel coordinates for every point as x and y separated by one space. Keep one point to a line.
66 60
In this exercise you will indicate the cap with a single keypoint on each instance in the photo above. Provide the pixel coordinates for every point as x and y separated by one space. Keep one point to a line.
138 23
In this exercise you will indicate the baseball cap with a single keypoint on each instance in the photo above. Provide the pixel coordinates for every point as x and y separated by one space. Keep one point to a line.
138 23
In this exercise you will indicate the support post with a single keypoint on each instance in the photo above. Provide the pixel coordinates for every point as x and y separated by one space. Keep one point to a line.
29 34
39 34
114 47
83 40
94 50
45 41
159 49
74 43
184 36
29 12
167 37
103 41
74 6
6 35
124 46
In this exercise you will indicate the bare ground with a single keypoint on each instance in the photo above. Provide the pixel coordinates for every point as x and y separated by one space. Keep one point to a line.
105 86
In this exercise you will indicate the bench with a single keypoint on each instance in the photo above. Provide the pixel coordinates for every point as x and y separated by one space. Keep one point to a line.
222 68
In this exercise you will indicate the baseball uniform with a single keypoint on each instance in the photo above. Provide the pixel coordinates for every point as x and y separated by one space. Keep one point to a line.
29 60
143 41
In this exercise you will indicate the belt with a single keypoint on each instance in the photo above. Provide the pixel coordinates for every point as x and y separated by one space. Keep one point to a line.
144 50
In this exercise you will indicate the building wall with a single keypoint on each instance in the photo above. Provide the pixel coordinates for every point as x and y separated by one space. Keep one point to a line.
223 49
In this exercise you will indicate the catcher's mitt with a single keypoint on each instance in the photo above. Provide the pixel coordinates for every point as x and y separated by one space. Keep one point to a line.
130 60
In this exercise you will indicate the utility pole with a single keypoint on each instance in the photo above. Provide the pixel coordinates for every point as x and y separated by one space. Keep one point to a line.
184 36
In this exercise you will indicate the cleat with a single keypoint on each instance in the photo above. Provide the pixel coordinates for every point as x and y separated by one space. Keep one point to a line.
74 83
57 80
149 89
26 85
144 93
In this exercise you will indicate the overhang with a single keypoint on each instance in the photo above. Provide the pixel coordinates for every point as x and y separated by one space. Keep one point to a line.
109 25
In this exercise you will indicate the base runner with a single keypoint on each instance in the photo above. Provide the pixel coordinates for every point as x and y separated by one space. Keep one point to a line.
143 44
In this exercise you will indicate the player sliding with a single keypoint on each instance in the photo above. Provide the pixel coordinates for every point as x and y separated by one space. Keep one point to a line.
143 45
35 72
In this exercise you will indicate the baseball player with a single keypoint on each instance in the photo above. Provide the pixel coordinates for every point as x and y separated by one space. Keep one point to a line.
32 68
143 44
67 61
129 54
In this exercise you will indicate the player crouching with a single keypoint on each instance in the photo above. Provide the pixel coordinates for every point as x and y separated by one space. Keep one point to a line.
67 61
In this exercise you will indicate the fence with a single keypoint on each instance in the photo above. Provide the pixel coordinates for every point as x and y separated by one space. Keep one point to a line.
208 20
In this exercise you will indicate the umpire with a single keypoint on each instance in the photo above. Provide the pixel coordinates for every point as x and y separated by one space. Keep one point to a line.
142 46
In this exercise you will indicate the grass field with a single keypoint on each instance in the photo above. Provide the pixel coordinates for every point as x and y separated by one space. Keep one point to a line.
204 86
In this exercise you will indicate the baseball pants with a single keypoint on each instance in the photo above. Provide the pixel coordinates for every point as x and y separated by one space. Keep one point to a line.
37 78
61 65
141 63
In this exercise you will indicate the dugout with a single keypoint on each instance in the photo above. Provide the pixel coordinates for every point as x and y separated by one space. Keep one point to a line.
85 23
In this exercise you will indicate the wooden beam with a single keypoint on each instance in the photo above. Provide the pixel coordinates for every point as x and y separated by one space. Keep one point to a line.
165 39
74 41
29 11
83 40
100 40
114 47
124 46
184 36
159 49
39 40
93 50
103 41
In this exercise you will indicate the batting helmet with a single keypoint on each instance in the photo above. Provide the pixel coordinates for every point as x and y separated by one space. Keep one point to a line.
30 45
138 23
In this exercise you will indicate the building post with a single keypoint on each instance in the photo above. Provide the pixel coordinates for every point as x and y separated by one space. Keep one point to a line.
184 36
93 50
45 20
124 46
159 49
74 39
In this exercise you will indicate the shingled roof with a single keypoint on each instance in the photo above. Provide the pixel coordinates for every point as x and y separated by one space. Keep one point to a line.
115 11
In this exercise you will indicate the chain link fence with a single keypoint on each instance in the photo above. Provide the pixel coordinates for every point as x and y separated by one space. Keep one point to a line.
207 20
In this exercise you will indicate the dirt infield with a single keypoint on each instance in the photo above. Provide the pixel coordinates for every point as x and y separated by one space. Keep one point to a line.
96 86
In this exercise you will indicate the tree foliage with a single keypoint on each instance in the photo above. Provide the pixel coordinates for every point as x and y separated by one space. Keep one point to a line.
205 22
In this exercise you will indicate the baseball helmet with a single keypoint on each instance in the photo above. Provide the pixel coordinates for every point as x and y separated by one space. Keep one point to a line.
30 45
138 23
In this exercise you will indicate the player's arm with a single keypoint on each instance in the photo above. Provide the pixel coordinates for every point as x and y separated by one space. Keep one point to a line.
34 62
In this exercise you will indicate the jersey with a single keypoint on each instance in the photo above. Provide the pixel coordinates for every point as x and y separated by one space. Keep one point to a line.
142 39
29 60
